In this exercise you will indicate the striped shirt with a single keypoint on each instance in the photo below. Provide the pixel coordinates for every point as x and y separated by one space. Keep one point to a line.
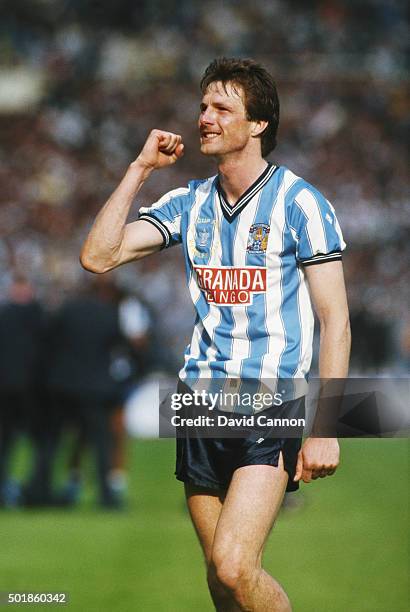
245 272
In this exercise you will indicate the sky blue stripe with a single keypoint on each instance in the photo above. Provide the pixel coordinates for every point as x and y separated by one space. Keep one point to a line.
202 307
297 220
223 331
289 311
332 237
257 329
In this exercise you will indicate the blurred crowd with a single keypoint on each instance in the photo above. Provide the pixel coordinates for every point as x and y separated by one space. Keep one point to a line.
65 377
82 84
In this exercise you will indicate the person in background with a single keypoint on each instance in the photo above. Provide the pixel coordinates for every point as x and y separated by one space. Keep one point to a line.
81 336
130 361
22 323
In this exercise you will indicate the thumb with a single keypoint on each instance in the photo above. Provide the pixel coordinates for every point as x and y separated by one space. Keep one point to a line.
179 151
299 467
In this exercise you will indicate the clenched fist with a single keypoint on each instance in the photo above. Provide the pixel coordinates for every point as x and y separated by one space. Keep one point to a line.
161 149
318 457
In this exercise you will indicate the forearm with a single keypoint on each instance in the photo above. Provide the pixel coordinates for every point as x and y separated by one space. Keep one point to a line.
334 350
102 249
333 369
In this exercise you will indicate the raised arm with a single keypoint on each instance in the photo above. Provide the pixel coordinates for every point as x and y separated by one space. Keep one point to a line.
111 241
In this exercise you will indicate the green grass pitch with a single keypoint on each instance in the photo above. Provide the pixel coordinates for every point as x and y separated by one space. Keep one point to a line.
345 550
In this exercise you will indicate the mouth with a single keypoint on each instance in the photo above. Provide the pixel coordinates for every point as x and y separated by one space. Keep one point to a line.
208 136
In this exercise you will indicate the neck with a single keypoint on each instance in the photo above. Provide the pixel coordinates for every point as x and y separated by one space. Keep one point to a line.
236 175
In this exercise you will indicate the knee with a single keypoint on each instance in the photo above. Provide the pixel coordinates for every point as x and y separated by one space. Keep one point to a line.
215 586
231 570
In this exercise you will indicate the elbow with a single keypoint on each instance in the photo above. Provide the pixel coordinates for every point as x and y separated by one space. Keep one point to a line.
93 265
339 323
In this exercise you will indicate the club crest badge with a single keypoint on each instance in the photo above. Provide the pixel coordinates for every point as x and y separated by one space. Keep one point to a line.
203 237
258 238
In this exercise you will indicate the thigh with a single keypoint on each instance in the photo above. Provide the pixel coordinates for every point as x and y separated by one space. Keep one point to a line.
251 506
205 508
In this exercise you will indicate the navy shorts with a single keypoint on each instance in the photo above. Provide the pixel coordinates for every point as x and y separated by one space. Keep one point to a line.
211 462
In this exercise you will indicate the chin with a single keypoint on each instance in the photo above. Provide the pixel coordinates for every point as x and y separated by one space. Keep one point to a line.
208 149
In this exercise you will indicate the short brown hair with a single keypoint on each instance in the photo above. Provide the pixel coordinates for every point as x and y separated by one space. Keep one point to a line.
261 97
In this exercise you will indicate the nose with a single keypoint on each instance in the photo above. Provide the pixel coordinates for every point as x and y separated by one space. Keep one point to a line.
206 117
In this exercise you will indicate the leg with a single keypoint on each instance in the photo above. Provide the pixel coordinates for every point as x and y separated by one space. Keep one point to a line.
97 413
205 508
118 472
119 439
7 437
71 491
252 503
46 430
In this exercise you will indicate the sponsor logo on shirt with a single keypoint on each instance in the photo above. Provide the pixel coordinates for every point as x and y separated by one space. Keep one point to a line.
229 286
258 238
205 220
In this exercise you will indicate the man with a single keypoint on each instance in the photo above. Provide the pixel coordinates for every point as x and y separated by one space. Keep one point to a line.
82 335
22 324
263 219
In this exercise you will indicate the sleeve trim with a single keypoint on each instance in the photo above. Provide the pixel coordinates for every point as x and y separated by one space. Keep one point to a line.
166 234
318 259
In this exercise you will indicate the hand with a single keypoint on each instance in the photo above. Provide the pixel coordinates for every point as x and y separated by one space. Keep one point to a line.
161 149
318 457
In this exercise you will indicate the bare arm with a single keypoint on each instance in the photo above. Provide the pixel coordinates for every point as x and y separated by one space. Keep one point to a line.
111 241
320 456
328 294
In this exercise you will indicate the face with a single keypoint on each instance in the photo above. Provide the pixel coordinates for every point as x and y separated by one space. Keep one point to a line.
223 126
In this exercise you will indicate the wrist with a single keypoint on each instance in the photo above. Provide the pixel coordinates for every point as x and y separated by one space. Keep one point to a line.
141 167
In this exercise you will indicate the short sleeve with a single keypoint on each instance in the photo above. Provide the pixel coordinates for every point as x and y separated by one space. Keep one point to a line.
315 228
166 215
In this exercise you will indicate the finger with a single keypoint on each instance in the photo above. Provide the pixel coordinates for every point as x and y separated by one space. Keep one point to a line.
167 149
164 140
172 143
307 475
179 150
299 467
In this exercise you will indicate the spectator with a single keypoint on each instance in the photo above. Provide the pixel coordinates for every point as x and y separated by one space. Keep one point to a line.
21 336
82 334
88 83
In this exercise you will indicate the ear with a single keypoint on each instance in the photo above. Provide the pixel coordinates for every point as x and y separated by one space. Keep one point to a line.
258 127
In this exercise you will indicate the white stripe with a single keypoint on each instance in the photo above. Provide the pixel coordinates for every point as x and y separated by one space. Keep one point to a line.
337 227
201 195
318 258
193 352
174 193
241 345
213 319
175 226
314 226
307 326
274 323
